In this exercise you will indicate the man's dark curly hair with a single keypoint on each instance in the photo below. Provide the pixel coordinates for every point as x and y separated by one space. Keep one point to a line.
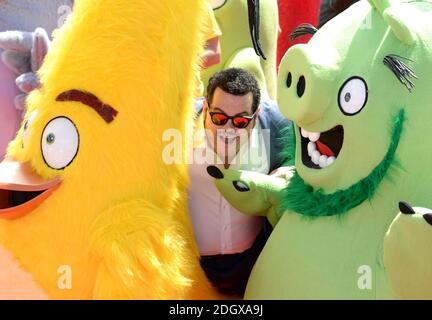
237 82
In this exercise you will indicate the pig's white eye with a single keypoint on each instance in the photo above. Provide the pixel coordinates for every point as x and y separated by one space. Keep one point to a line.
216 4
27 125
353 96
60 143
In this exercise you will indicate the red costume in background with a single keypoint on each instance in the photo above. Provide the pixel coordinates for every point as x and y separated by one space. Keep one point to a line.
291 14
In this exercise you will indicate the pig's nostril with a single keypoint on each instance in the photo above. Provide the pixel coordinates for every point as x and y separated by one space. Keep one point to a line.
289 80
301 86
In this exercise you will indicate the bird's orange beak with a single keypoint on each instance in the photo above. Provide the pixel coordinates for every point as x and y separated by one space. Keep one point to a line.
21 189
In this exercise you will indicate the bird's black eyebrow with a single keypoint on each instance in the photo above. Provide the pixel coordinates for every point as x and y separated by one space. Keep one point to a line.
402 71
303 29
107 112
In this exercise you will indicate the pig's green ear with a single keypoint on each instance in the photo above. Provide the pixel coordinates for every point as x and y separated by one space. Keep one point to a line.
399 23
397 18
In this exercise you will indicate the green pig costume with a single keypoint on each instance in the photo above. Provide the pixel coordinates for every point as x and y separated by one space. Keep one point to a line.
249 34
359 95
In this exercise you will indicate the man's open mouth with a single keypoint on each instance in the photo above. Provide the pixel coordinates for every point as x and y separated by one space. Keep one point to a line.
321 149
21 190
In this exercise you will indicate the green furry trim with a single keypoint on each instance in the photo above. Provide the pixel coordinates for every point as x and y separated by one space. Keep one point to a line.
288 141
300 197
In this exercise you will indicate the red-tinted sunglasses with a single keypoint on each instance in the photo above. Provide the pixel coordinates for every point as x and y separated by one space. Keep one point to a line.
240 122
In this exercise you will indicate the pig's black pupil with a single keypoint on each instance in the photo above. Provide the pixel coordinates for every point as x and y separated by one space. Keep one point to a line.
347 97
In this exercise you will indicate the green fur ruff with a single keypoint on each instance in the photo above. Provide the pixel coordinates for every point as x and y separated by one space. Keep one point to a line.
301 198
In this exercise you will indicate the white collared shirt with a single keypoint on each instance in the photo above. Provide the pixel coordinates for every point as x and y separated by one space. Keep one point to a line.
219 227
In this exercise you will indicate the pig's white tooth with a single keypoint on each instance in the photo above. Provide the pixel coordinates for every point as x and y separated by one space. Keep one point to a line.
311 147
323 161
314 136
304 133
315 157
330 160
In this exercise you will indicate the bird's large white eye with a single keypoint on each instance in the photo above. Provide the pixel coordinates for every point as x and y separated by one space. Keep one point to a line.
353 96
216 4
27 125
60 142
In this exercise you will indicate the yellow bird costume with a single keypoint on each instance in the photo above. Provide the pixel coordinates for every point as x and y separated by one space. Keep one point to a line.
84 185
